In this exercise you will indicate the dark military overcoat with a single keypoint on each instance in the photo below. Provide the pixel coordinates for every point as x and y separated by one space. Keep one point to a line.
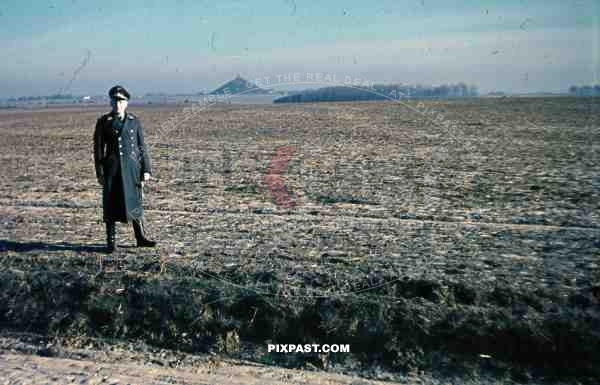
121 158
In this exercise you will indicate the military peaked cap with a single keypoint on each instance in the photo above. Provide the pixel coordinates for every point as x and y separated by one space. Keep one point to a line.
118 92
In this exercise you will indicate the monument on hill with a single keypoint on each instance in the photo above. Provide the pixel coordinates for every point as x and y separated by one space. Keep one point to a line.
240 85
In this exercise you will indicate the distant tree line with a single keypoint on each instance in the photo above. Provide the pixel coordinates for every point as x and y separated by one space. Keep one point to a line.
35 98
380 92
585 90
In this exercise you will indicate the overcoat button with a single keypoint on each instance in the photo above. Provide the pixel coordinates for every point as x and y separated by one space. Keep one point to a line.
120 153
120 145
130 130
119 138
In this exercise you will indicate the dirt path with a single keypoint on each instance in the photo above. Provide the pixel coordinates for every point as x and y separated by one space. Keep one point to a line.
26 369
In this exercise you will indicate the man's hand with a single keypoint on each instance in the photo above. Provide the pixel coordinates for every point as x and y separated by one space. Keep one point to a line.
146 177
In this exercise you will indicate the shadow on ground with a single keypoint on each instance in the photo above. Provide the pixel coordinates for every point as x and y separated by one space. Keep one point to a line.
6 245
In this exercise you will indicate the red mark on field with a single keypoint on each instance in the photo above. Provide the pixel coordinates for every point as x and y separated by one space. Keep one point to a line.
272 177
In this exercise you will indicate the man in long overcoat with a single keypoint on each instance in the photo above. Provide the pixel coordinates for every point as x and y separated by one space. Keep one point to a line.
122 163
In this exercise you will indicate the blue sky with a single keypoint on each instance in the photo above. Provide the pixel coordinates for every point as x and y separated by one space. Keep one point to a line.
185 45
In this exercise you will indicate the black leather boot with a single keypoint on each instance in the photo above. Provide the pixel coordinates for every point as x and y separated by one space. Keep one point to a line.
138 229
111 231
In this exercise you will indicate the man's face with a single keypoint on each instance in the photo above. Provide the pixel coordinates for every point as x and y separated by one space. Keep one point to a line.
118 105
